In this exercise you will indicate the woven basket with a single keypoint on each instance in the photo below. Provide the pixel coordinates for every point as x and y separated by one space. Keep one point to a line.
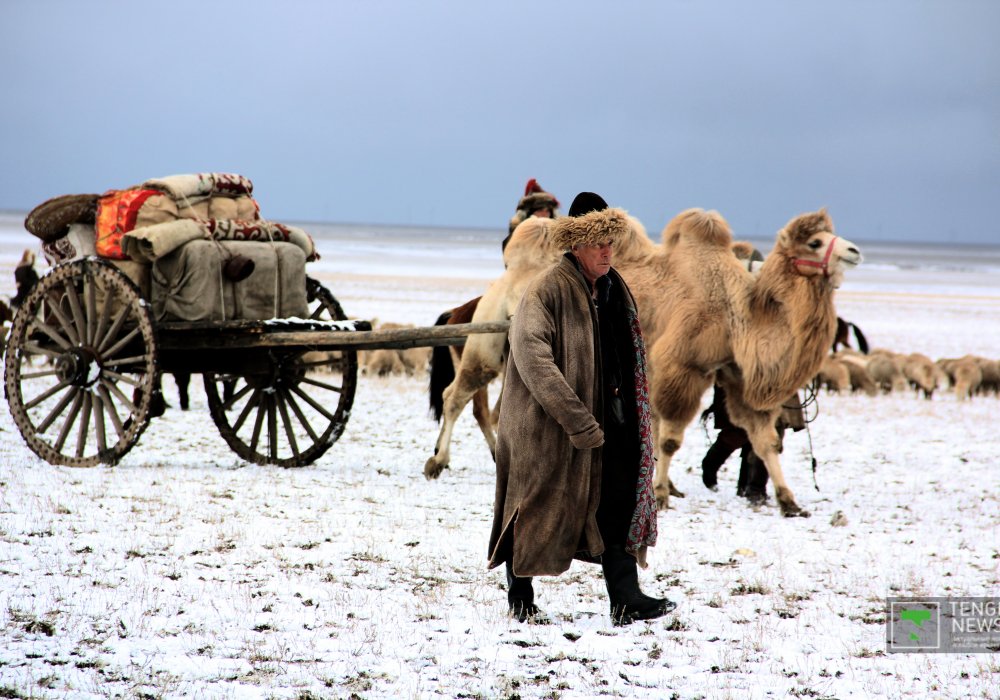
51 219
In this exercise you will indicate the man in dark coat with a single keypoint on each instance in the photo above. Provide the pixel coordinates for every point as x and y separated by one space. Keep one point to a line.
574 452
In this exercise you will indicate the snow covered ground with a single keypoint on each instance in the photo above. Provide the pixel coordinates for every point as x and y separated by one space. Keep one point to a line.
186 572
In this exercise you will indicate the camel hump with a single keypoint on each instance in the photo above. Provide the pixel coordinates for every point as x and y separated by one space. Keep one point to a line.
803 227
698 226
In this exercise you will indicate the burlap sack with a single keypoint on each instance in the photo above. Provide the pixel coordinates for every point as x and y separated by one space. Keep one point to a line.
189 285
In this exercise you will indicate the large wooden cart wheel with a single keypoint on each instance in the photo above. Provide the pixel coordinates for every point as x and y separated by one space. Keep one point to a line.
81 365
292 413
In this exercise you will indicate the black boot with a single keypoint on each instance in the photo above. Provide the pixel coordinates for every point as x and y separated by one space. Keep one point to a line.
521 599
628 603
716 456
752 483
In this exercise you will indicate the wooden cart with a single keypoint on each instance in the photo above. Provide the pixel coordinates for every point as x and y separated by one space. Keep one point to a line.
84 360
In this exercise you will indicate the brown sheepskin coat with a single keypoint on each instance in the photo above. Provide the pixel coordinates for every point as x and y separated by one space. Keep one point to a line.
548 470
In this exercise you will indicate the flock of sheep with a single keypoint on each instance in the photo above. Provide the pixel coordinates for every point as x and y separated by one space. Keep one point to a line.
388 361
883 371
845 371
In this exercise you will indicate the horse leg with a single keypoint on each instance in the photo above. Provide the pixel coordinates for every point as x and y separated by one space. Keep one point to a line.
456 396
495 413
481 412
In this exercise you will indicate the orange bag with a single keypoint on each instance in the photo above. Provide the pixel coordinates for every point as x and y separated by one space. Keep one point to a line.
116 214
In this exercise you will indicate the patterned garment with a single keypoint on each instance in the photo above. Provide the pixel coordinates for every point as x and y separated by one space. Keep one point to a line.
642 530
260 230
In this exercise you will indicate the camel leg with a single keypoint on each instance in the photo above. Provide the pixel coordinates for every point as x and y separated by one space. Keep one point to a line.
456 396
676 401
669 436
767 445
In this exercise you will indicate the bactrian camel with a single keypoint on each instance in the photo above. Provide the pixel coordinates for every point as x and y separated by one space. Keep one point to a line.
708 320
697 303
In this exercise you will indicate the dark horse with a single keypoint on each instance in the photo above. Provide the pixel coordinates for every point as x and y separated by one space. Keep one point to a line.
443 366
843 336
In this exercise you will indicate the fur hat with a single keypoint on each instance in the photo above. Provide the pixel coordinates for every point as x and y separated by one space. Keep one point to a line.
593 223
536 198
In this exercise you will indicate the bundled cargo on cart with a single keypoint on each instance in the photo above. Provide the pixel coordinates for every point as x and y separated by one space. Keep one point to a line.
195 245
182 275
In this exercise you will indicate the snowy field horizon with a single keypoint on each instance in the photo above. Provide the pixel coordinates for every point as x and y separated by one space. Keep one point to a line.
184 571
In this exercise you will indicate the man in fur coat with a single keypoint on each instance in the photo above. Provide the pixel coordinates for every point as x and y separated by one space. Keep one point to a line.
574 454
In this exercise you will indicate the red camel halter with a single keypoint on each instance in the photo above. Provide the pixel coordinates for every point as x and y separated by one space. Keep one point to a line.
825 265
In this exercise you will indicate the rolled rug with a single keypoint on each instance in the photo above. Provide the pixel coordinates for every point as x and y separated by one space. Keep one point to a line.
182 187
151 242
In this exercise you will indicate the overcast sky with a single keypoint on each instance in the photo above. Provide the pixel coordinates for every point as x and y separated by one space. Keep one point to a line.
436 113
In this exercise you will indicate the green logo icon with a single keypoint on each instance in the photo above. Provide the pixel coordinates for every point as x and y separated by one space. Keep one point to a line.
917 617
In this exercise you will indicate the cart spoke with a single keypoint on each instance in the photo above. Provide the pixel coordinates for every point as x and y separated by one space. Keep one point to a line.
57 411
231 401
74 304
109 406
54 335
287 423
126 401
99 427
90 305
63 320
322 385
305 397
255 437
113 331
303 421
102 323
35 349
137 359
133 381
39 374
70 419
52 391
81 438
272 427
250 405
125 340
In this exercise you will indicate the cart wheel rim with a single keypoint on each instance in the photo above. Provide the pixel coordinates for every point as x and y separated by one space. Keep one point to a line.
292 414
81 365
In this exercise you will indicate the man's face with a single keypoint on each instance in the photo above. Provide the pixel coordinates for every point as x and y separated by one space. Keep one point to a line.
543 213
595 260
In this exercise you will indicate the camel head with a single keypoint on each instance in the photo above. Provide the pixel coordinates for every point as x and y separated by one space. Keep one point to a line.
809 242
